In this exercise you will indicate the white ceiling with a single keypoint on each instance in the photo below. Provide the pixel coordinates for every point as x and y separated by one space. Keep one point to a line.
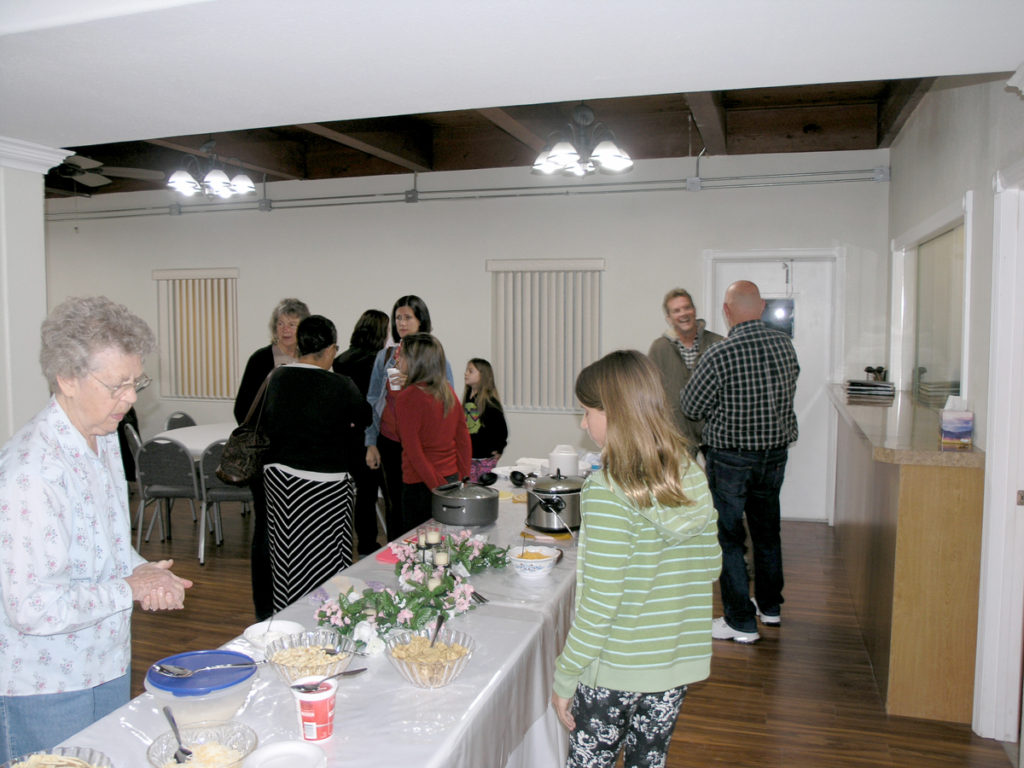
78 72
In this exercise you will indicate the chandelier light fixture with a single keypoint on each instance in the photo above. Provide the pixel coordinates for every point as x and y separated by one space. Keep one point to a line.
214 184
581 148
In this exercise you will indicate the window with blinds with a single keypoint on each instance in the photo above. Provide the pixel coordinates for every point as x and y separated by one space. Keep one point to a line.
546 327
198 331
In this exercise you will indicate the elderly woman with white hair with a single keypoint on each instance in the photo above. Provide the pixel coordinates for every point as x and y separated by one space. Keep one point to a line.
70 576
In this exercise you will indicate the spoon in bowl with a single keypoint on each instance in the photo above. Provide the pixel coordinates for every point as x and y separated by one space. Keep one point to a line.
182 754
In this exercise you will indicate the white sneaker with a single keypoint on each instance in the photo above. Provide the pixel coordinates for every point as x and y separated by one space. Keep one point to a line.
768 619
720 630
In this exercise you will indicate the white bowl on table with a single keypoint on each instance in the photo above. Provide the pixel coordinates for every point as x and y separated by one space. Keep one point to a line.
539 562
259 636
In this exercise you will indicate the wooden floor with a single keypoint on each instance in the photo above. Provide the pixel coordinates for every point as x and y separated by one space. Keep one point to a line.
803 697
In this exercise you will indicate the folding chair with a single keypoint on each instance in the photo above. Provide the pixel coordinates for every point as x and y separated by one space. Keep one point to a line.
166 471
214 491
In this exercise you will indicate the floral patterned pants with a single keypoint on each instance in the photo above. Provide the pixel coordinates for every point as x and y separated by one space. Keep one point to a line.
608 721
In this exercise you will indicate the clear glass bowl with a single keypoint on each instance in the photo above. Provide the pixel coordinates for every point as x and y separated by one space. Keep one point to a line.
435 674
317 638
92 757
231 734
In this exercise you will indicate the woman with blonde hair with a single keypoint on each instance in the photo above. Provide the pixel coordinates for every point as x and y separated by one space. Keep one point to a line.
641 636
431 427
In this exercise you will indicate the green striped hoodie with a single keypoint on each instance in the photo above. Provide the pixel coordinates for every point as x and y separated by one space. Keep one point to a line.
643 591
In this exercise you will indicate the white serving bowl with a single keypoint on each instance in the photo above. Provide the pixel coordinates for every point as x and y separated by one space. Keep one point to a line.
92 756
234 735
323 638
259 636
431 674
533 567
213 695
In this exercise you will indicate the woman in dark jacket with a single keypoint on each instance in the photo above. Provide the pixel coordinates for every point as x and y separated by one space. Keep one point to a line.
313 418
356 362
284 323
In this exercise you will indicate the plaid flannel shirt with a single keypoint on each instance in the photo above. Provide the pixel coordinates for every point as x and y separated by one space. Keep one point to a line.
743 389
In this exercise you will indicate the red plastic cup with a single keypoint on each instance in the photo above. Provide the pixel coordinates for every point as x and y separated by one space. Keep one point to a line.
316 709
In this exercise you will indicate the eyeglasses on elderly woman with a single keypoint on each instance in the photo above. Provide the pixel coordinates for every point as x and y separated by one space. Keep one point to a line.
118 391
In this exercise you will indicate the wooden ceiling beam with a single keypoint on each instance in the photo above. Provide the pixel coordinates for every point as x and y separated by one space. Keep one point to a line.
897 107
270 170
513 128
709 115
399 156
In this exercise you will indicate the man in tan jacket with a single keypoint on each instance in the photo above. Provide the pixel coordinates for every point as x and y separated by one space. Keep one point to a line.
676 352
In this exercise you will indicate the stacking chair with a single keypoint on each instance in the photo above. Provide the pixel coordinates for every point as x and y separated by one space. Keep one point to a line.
166 471
179 419
214 491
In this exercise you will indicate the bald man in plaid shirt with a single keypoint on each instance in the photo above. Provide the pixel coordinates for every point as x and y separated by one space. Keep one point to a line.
743 388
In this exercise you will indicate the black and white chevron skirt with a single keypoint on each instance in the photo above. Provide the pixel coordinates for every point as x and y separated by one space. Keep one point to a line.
309 523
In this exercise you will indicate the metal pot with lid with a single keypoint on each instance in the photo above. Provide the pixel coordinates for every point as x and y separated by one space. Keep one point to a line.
464 504
554 503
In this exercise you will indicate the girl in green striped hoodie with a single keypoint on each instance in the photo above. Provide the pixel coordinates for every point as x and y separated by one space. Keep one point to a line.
648 554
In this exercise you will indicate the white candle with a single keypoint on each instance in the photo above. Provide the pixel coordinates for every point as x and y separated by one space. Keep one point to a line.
433 536
441 558
421 537
433 582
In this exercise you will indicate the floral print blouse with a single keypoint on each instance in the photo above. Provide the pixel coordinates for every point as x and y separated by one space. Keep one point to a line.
65 550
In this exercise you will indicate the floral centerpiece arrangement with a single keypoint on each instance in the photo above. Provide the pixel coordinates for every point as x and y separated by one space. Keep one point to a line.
426 590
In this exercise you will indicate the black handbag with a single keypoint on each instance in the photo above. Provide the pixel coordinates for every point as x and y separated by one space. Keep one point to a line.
242 459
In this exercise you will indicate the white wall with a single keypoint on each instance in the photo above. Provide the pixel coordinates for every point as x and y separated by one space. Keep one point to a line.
342 260
962 132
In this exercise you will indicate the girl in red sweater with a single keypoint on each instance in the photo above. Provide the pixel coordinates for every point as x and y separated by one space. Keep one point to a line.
431 427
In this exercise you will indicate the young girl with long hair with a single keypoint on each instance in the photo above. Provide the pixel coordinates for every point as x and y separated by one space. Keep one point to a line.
485 418
648 554
431 427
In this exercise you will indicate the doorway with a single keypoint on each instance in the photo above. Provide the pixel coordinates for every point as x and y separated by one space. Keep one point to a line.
801 286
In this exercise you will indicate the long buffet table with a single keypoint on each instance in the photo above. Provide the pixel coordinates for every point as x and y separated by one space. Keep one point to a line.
496 713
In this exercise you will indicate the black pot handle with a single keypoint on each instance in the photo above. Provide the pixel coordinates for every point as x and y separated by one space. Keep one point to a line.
554 506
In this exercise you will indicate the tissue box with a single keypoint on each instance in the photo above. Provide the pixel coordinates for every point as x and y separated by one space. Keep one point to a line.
957 429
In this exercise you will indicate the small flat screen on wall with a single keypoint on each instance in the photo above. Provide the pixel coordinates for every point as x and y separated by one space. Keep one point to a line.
778 314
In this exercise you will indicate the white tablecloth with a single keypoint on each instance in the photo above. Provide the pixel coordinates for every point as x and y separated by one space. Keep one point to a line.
197 438
496 713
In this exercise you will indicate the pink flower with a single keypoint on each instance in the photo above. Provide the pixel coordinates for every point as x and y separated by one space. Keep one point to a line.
404 616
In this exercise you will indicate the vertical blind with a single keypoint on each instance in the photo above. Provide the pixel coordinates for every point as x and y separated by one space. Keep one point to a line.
198 332
546 328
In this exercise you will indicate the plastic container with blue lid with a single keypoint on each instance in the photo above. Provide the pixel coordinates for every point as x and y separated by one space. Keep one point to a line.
213 694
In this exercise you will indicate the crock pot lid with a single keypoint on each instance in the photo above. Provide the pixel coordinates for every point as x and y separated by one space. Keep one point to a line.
202 683
549 484
468 491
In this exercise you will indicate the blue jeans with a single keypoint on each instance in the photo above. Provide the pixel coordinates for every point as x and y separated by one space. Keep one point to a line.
31 723
748 482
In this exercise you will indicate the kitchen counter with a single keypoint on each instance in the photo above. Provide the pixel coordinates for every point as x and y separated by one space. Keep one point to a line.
902 432
908 524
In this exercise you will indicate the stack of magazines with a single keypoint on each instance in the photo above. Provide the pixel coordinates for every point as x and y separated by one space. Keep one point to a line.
868 392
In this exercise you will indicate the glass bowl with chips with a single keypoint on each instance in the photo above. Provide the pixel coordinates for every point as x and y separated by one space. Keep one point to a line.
427 666
78 757
316 653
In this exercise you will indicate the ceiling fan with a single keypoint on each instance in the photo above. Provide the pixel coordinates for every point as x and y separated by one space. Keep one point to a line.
93 173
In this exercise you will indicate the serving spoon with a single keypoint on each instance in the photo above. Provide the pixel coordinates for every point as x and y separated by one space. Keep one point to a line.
311 687
173 670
